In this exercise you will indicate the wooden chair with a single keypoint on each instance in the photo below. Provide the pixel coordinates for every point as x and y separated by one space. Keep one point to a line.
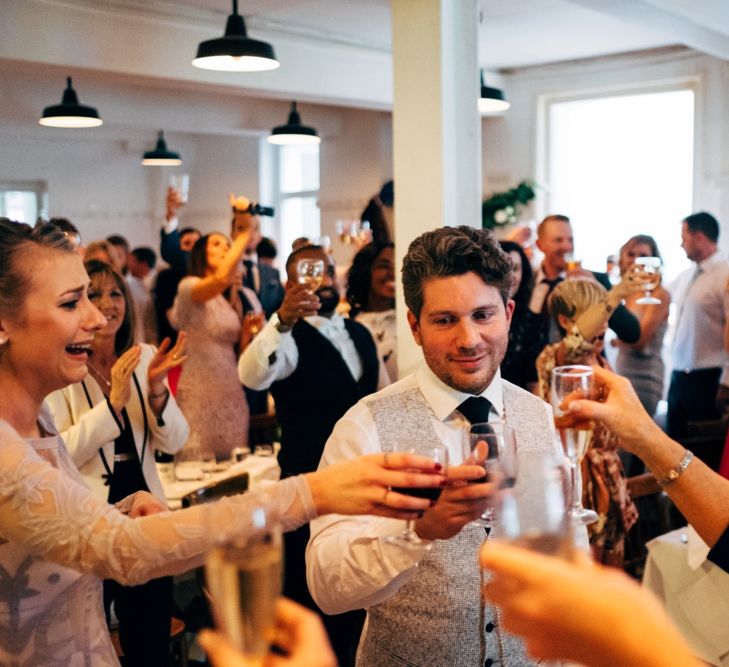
178 642
706 440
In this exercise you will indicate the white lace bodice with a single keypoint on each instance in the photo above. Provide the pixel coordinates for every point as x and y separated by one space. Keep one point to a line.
57 541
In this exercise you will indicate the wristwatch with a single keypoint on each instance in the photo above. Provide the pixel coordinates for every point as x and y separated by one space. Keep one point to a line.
279 325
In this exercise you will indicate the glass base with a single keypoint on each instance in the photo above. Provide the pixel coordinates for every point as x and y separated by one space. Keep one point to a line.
649 300
583 517
409 538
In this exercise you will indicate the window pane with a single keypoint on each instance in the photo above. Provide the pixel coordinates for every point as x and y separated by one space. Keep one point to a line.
19 205
299 216
620 166
299 168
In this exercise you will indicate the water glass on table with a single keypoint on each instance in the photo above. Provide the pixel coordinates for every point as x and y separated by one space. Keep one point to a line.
575 434
492 445
243 575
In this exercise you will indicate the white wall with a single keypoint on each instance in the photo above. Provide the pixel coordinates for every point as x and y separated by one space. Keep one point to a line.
511 144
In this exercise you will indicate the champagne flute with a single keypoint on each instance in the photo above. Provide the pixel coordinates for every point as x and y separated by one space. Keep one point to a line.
652 266
569 383
310 272
243 574
439 454
538 521
493 445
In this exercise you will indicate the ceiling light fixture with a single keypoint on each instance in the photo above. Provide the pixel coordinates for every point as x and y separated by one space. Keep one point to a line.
69 113
293 132
235 51
161 156
491 100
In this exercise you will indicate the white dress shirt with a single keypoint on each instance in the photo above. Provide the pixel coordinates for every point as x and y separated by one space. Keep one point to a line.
702 306
369 569
273 355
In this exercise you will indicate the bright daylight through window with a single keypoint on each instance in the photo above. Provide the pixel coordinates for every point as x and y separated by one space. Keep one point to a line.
620 166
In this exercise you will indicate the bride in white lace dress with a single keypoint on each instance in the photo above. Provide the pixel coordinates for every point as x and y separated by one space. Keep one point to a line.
57 541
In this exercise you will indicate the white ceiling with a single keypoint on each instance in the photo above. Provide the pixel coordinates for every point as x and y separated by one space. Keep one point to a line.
513 33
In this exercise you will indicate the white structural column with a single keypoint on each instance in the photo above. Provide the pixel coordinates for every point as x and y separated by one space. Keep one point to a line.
436 128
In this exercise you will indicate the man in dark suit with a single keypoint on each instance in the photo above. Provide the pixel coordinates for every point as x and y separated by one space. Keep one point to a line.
555 240
263 279
317 366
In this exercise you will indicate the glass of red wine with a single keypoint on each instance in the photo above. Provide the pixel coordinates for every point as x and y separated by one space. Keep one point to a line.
493 446
439 454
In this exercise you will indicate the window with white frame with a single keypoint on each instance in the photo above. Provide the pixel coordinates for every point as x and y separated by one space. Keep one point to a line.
23 201
619 166
292 173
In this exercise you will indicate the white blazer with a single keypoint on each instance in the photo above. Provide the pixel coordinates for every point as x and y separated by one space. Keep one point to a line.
87 428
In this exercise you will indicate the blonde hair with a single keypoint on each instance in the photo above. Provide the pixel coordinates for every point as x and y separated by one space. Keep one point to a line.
573 297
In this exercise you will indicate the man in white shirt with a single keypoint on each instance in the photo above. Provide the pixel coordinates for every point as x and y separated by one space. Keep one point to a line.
555 239
424 600
317 365
699 387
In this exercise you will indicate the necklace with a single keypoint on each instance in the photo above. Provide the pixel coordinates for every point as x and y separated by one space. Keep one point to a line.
98 376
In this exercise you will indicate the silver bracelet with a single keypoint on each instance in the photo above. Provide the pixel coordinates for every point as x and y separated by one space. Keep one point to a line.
674 474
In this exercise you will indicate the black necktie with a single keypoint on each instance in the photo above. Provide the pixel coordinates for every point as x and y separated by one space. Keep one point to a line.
249 281
476 409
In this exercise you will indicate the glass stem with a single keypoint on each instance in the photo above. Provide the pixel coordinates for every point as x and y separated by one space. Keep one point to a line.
576 486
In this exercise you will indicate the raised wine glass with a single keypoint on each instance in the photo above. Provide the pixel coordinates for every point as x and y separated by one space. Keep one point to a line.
569 383
651 267
492 445
539 520
310 272
243 575
439 454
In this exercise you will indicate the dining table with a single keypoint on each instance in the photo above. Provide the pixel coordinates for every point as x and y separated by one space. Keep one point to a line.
694 591
176 486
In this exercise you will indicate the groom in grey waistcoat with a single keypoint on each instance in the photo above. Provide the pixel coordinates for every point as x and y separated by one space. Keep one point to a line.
423 600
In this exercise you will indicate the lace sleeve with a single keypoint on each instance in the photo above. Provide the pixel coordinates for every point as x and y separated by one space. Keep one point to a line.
57 518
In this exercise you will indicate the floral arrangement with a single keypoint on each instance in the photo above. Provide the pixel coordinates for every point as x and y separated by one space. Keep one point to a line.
503 208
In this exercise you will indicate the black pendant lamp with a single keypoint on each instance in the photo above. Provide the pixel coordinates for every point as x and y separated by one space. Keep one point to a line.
69 113
235 51
491 100
293 132
161 156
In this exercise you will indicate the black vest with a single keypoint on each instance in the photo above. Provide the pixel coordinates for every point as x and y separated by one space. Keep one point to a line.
318 393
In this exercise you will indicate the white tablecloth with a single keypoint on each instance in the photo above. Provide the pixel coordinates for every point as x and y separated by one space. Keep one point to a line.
258 468
694 591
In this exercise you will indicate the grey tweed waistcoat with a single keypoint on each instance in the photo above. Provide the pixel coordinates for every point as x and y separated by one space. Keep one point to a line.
438 618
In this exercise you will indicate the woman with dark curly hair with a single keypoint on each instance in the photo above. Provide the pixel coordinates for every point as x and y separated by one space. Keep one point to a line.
525 343
371 296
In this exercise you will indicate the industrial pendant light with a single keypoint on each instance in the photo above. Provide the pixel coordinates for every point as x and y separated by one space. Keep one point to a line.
492 100
69 113
235 51
293 132
161 156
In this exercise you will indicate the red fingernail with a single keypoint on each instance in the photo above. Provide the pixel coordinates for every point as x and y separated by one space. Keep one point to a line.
443 482
432 502
420 515
439 466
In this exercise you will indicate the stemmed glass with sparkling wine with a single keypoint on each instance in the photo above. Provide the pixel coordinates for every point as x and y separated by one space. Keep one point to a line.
651 267
439 454
492 445
539 520
243 574
310 272
570 383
